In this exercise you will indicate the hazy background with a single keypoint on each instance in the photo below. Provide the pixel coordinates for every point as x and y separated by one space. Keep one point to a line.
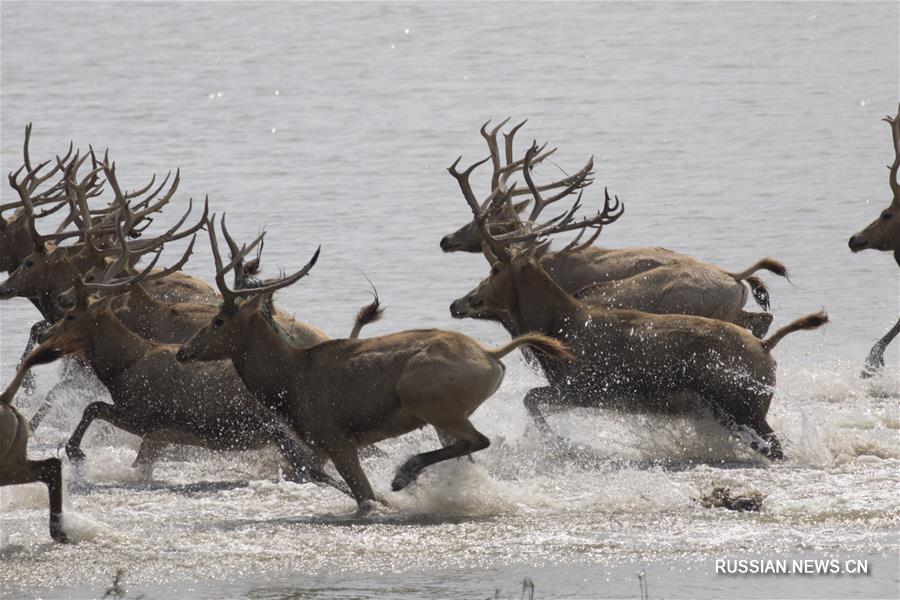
731 131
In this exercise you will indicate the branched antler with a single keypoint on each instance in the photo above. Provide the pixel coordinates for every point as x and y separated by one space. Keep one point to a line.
230 296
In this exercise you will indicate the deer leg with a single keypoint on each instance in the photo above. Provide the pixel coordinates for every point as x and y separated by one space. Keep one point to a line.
346 461
73 370
152 446
96 410
533 399
765 442
306 464
48 472
36 330
757 323
875 360
467 440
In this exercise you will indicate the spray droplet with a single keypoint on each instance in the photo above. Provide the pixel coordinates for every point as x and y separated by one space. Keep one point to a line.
277 93
406 31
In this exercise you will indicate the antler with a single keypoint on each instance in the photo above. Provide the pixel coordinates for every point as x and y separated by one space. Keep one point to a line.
578 181
894 122
480 212
610 213
109 281
240 270
140 211
228 295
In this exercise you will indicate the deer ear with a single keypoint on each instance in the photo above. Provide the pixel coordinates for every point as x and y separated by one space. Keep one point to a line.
260 300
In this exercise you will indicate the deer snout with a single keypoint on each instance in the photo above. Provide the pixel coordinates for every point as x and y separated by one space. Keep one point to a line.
185 354
856 243
447 245
463 307
6 292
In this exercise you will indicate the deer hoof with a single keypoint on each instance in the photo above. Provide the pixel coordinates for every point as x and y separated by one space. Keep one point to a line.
74 453
406 474
366 508
56 531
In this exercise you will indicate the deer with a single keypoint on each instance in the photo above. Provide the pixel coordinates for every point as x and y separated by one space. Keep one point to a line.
15 466
343 394
634 360
883 234
654 280
159 399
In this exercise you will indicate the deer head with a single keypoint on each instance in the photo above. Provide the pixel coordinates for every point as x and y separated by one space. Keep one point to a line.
884 232
242 309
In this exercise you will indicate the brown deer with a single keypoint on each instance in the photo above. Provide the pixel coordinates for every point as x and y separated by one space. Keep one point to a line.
883 234
642 361
649 279
15 467
344 394
163 401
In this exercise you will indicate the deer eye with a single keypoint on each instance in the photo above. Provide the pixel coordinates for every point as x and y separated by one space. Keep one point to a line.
886 215
29 264
70 318
218 323
495 269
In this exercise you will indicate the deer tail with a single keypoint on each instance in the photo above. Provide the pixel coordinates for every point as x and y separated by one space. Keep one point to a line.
812 321
757 286
548 345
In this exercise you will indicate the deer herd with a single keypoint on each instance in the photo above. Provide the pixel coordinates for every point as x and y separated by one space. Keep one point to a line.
226 368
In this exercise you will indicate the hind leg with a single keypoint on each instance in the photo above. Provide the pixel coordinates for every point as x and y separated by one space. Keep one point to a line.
757 323
466 438
533 400
765 442
48 472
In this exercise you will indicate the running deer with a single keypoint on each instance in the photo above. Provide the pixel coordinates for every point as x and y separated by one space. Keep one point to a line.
344 394
654 280
883 234
642 361
161 400
15 466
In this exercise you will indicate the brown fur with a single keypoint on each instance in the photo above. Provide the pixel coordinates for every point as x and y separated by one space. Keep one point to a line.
646 361
344 394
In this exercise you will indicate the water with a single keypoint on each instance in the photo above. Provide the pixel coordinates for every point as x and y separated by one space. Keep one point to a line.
731 131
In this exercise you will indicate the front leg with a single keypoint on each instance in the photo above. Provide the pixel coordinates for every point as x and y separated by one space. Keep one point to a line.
97 410
875 360
36 330
346 460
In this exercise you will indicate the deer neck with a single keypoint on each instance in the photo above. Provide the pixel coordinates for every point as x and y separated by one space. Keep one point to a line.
267 362
541 304
113 348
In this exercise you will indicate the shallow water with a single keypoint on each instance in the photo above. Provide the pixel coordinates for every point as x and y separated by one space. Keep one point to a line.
731 131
